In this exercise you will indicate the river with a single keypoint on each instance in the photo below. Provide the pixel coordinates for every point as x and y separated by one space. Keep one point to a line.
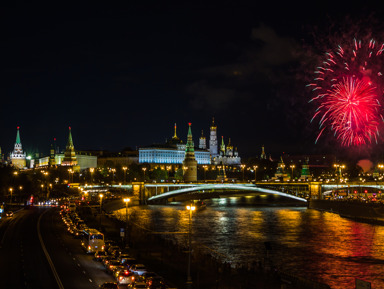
316 245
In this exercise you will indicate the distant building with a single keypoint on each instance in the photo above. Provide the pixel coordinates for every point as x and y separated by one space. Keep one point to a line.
18 156
172 152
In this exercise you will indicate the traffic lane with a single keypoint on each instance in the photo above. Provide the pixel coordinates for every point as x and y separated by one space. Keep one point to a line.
74 266
23 263
94 269
66 265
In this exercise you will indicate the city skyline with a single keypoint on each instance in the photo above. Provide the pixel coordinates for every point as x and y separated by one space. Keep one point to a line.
122 75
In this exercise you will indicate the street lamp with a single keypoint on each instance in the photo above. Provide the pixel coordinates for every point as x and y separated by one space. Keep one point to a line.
101 201
126 201
255 168
292 167
91 170
125 170
11 190
144 169
190 208
243 167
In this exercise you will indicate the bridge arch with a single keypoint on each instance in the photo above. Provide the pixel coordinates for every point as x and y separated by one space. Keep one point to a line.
229 187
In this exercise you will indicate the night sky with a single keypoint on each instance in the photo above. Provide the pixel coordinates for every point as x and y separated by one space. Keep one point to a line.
121 75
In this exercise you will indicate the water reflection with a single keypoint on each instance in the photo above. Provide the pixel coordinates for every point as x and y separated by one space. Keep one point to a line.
317 245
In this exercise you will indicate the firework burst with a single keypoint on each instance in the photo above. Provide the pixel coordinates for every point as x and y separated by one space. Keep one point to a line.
348 91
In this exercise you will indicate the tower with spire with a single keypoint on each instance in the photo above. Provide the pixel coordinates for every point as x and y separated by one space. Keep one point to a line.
202 142
213 139
263 156
222 147
190 163
18 157
69 154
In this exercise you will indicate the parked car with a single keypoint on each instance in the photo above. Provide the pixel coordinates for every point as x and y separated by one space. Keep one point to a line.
143 277
138 269
137 285
155 282
109 285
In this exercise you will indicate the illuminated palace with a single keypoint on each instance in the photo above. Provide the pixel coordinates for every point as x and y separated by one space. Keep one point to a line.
173 151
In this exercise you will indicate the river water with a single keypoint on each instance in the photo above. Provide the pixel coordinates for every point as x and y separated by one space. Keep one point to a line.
316 245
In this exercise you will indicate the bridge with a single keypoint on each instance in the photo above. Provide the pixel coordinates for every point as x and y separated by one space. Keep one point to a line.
300 191
218 190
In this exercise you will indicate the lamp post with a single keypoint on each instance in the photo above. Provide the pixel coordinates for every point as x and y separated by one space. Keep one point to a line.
91 170
125 170
255 168
101 201
144 169
126 201
243 167
11 190
190 208
292 167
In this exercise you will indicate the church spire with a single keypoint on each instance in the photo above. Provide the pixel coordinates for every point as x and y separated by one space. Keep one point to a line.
175 136
18 136
70 142
190 146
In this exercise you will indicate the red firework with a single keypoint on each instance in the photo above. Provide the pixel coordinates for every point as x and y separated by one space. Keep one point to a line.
348 90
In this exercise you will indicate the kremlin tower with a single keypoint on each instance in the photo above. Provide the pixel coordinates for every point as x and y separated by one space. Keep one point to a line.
69 154
190 163
18 157
213 140
202 142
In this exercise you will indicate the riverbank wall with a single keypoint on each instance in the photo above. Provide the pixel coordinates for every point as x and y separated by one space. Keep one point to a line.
356 210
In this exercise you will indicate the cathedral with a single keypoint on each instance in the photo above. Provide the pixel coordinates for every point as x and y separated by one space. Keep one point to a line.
227 155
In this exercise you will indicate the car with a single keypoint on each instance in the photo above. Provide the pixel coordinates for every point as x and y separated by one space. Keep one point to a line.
143 277
100 255
123 258
138 269
137 285
155 282
116 271
106 260
112 265
9 214
112 248
125 277
109 285
129 262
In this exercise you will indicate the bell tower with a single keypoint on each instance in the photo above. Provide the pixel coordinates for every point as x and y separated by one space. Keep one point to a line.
213 139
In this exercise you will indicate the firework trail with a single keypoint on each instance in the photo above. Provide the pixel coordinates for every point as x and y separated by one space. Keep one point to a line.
348 91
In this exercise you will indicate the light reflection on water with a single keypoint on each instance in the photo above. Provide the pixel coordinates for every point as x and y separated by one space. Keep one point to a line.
316 245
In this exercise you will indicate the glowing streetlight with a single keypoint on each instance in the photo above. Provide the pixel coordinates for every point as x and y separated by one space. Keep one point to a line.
101 201
126 201
243 167
11 190
255 168
91 170
144 169
190 208
125 170
292 167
